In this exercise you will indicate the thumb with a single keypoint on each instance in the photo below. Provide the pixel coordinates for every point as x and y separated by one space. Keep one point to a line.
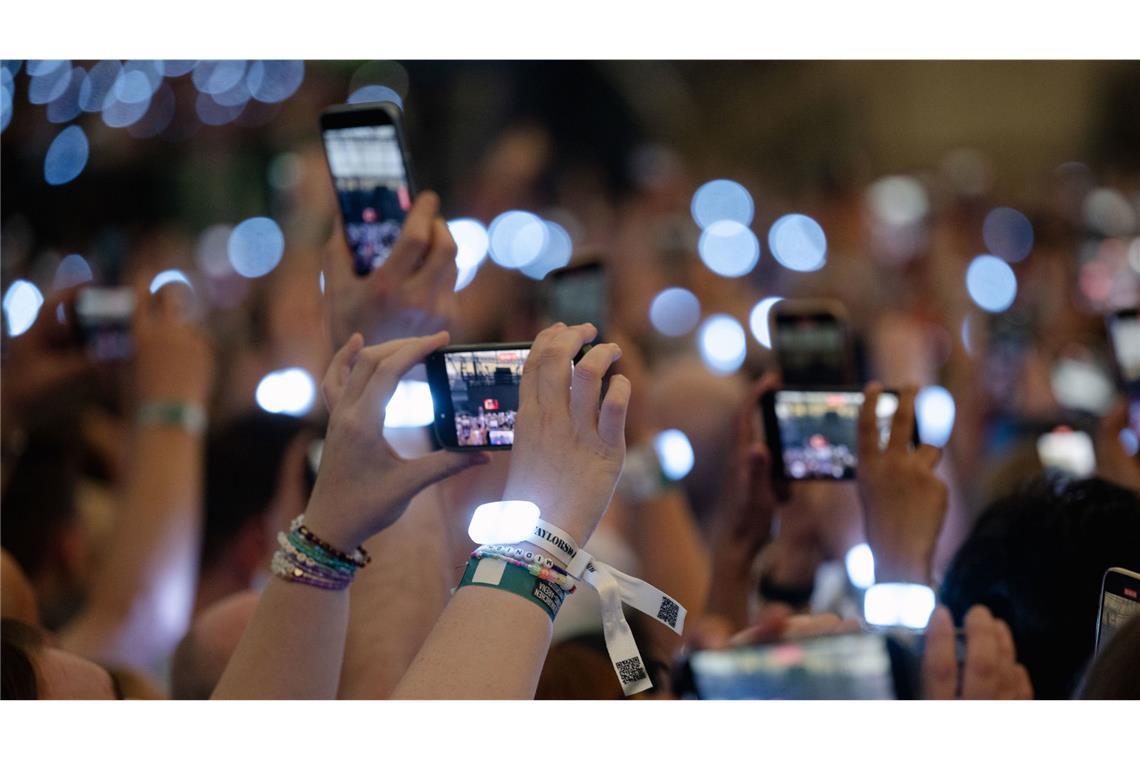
442 464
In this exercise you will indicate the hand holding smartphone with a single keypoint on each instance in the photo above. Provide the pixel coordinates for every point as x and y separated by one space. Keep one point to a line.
475 391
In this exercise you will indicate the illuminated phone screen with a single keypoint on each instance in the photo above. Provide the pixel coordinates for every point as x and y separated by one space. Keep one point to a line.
372 189
818 431
1115 611
484 389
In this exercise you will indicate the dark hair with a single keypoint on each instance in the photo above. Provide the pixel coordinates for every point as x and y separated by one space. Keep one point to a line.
20 641
1035 558
243 463
1115 673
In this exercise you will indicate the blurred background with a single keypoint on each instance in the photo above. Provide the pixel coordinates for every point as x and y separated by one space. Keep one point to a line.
977 219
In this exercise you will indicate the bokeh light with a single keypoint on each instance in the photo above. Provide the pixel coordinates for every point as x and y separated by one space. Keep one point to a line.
97 85
274 81
517 238
213 77
164 278
1108 212
674 312
991 283
674 453
471 242
376 93
898 604
411 406
158 117
934 411
1008 234
898 201
7 98
557 252
1082 385
72 270
758 320
177 68
287 391
255 247
66 156
48 80
213 113
860 563
721 343
21 304
66 106
798 243
721 200
729 248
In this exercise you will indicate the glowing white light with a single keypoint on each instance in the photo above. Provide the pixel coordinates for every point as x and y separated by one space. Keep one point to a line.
1008 233
860 564
557 252
162 279
212 251
1134 255
72 271
758 320
95 88
1081 385
503 522
377 93
21 304
1108 212
43 68
321 282
898 604
274 81
517 238
886 406
256 246
729 248
7 98
898 201
287 391
674 452
934 411
1069 451
967 336
411 406
674 312
720 200
471 242
721 343
1130 441
991 283
798 242
66 156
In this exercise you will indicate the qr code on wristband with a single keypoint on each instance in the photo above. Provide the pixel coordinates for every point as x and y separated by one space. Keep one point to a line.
668 612
631 670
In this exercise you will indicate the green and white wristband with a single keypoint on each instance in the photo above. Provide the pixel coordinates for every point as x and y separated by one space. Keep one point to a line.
179 414
495 573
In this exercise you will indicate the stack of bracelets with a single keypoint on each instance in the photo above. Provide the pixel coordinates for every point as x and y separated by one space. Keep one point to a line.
304 558
524 571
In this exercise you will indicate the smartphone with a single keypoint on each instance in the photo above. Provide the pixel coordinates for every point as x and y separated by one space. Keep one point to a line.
1124 332
577 294
103 321
475 391
813 432
812 342
1070 451
1119 601
372 174
844 666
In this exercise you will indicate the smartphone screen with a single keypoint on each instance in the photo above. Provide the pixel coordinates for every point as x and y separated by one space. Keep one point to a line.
813 348
1067 450
1120 600
577 295
475 390
815 432
849 666
103 316
373 184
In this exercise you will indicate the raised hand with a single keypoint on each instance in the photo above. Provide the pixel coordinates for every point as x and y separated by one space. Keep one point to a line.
904 501
411 294
990 670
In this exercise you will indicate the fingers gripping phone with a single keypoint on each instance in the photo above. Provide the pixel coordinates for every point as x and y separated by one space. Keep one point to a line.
813 343
372 175
1119 601
475 391
813 432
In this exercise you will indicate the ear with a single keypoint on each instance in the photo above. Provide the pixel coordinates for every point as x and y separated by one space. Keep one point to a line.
252 547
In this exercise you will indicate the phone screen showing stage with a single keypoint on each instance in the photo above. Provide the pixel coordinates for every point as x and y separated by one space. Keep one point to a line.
1115 611
818 431
372 189
484 388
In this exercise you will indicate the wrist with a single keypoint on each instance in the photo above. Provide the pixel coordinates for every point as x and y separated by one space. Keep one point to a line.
174 413
332 530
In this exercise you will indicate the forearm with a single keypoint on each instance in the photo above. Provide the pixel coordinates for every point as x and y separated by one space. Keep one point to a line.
292 648
143 595
397 599
487 644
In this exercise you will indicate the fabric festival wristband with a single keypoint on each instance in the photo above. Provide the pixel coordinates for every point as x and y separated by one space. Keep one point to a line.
614 587
179 414
495 573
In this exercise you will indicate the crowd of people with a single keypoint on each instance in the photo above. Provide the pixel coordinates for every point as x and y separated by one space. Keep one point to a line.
485 428
162 538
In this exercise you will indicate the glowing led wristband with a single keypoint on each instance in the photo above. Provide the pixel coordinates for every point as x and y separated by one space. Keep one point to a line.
898 604
503 522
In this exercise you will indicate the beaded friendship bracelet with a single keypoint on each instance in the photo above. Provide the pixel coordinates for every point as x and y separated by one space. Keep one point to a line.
537 569
302 557
283 567
359 557
527 555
